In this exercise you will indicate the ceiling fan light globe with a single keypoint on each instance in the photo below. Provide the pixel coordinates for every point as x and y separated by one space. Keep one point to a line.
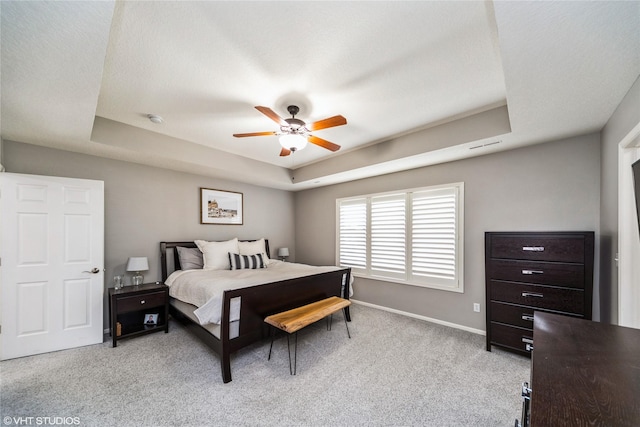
293 142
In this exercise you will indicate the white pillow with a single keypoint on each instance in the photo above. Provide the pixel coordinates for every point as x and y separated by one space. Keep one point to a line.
252 248
216 254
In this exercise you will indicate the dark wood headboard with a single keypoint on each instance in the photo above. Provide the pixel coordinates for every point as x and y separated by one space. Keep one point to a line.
171 246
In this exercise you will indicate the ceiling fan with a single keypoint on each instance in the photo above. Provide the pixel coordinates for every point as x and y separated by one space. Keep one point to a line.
294 133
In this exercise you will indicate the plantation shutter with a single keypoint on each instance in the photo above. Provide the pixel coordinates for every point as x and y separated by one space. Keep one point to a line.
434 236
413 236
388 242
353 234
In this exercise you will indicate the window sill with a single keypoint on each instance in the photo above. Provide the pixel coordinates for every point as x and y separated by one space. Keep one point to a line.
459 289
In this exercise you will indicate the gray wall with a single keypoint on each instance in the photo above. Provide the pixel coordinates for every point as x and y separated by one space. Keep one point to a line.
553 186
146 205
623 120
548 187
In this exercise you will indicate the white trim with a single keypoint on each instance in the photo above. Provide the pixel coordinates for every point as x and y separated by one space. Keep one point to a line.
630 139
628 243
419 317
356 273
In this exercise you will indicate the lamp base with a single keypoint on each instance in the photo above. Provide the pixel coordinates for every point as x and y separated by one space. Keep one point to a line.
137 279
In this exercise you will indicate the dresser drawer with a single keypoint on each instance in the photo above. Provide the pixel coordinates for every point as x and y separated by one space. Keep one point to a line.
545 273
539 247
547 297
137 302
511 336
515 315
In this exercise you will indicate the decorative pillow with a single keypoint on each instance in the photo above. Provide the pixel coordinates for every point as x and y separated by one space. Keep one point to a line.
215 254
250 248
238 262
190 258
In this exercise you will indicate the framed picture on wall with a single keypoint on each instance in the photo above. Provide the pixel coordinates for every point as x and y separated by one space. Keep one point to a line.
220 207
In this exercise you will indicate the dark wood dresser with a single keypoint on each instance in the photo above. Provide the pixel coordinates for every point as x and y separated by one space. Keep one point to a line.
583 373
542 271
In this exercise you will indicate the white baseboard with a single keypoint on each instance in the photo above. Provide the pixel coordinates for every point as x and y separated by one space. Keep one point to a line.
405 313
419 317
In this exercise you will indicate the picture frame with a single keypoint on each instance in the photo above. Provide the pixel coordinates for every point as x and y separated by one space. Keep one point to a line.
220 207
151 319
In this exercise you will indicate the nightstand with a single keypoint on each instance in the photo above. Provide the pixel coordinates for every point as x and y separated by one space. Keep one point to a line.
129 306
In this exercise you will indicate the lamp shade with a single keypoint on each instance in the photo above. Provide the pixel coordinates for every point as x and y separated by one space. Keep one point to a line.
282 252
138 264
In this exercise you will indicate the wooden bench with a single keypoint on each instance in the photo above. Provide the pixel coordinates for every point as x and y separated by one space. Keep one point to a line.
291 321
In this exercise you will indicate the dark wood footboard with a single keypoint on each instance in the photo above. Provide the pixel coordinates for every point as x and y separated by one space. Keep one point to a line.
258 302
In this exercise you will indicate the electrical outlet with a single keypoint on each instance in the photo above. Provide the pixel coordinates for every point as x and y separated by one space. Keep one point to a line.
476 307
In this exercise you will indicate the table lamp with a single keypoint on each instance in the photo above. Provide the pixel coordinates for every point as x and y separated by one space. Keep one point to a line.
137 264
283 253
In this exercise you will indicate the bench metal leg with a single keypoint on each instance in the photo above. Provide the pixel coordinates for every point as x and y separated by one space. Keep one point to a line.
345 324
330 322
295 354
292 369
273 333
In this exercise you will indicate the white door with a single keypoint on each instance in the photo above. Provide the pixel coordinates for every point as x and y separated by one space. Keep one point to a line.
51 271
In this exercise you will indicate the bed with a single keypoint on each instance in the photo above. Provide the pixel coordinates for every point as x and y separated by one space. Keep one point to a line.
253 303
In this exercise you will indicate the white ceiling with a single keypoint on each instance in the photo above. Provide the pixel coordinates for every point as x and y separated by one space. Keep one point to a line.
82 76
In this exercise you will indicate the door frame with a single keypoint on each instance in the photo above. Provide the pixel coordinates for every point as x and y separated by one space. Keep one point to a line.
628 233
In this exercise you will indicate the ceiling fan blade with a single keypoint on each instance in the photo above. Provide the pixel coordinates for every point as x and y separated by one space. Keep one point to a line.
272 115
284 152
242 135
323 143
328 123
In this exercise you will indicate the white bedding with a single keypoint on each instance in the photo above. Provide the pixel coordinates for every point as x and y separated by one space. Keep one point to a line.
204 288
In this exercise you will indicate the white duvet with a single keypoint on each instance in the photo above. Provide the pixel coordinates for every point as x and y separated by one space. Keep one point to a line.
204 288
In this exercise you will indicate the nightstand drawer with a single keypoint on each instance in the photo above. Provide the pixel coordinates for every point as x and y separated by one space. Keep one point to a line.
139 302
547 297
543 273
539 248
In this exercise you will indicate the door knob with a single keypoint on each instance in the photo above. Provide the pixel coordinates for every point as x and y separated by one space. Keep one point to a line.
94 270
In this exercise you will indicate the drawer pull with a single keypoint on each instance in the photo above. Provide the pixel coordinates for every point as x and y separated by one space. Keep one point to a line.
142 301
528 343
532 294
527 317
533 248
529 272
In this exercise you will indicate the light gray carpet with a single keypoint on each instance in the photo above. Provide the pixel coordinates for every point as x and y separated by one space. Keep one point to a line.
394 371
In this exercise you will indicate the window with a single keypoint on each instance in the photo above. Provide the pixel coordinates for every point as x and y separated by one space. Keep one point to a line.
414 236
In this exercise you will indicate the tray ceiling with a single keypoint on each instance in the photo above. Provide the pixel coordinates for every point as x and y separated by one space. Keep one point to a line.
83 76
